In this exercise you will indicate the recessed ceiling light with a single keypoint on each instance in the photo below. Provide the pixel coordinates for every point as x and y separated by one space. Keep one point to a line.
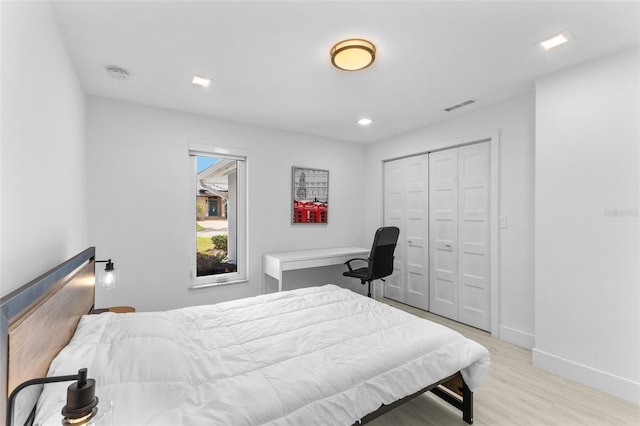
556 40
117 73
200 81
364 121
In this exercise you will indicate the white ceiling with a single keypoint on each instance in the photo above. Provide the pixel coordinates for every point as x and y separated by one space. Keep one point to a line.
270 59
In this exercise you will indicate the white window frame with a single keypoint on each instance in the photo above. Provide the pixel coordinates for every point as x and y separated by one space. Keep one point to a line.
242 248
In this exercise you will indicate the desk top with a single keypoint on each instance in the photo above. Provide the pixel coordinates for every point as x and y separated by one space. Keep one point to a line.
292 256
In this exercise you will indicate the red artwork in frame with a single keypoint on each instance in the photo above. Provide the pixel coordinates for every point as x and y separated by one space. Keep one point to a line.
310 195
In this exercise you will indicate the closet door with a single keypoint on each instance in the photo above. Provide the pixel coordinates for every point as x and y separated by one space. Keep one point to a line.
443 232
406 206
473 236
394 215
459 234
416 225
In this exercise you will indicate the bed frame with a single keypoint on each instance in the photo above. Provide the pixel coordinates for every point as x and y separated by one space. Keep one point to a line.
453 390
38 320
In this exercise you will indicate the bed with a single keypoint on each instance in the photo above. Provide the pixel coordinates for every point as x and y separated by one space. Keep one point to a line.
319 355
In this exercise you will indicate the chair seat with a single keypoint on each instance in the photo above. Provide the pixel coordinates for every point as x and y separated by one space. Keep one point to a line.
361 273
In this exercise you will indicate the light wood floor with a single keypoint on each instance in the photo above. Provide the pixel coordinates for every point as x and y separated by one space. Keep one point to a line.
515 393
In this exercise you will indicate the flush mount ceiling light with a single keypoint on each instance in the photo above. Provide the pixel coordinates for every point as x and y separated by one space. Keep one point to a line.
364 121
556 40
353 54
200 81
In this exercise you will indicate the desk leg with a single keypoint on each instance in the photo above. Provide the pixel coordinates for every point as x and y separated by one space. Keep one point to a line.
267 283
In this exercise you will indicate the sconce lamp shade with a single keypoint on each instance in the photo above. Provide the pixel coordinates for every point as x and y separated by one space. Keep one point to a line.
353 54
108 277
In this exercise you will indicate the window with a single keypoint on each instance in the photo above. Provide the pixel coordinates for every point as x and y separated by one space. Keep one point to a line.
219 218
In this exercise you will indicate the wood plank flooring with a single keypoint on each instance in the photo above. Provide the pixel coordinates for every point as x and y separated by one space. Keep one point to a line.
515 393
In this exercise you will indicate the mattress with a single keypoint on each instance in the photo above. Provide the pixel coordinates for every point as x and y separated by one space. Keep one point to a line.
321 355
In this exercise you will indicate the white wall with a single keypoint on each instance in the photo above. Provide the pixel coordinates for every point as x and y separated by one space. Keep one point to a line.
515 121
140 204
587 289
43 168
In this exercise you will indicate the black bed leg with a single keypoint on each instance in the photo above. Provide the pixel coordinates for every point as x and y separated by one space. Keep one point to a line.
467 404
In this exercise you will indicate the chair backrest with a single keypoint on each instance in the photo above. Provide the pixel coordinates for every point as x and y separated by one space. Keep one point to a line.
381 257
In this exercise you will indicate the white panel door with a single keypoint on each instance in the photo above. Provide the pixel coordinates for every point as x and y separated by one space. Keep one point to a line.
459 234
473 236
443 233
416 225
394 215
406 206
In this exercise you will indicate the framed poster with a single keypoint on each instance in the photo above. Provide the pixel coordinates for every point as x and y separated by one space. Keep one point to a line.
310 195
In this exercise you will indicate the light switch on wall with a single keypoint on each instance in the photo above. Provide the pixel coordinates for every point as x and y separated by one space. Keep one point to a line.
502 222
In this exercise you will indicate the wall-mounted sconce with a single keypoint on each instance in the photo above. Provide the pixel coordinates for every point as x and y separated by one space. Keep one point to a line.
82 402
108 277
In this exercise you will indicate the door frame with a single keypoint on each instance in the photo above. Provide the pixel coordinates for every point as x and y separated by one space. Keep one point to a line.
493 137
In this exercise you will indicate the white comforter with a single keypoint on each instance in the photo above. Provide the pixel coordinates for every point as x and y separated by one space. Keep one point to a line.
321 355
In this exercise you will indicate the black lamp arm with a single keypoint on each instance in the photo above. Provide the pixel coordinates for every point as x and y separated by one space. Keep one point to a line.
109 263
38 381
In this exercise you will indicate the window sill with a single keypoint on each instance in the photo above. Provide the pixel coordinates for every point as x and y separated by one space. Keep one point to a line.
217 284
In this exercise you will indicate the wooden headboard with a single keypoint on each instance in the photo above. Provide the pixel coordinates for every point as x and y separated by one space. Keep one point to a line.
38 319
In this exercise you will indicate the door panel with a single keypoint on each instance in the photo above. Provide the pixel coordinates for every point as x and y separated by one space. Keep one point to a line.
406 201
417 290
443 205
473 239
459 234
394 216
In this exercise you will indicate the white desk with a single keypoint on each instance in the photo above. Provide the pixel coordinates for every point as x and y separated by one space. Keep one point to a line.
274 264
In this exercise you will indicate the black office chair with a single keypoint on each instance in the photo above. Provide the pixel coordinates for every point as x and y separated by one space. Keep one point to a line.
380 261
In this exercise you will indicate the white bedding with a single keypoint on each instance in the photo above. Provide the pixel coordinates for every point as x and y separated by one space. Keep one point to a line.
321 355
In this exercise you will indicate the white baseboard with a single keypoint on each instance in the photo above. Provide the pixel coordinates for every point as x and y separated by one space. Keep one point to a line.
517 337
606 382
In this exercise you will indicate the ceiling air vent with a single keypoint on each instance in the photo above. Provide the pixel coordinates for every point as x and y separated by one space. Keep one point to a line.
460 105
